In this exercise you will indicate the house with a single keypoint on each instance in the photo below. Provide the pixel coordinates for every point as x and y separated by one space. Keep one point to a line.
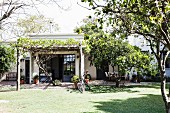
66 60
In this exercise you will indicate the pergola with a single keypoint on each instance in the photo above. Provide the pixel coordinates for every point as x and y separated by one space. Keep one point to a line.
49 46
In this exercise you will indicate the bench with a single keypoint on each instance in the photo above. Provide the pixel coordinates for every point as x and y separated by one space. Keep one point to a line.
11 76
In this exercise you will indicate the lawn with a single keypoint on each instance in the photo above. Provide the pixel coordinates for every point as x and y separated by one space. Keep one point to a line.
100 100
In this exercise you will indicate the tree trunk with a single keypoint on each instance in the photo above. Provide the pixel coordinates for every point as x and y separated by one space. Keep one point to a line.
117 82
18 70
164 96
168 108
163 87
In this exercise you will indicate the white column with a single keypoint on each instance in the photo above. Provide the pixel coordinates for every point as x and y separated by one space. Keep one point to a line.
81 62
77 64
31 67
35 65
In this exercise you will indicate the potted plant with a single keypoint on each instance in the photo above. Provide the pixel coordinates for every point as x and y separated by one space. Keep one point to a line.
87 78
75 80
56 82
36 79
22 79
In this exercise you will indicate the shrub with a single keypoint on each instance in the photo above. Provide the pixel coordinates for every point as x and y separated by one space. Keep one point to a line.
88 76
56 82
36 77
75 79
22 77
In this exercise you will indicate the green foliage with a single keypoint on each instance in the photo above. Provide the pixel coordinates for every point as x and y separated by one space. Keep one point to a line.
36 24
105 47
35 77
22 77
88 76
148 18
75 79
116 52
7 58
56 82
27 44
88 27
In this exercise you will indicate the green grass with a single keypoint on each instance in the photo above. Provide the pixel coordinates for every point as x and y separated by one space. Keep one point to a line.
101 99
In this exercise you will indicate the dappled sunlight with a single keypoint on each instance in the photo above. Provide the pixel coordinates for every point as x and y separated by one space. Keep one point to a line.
106 99
141 104
147 90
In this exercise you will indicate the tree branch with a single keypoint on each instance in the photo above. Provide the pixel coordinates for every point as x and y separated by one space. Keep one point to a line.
8 14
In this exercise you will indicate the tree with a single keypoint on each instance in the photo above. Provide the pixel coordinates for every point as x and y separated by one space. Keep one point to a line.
12 10
7 58
117 52
88 27
35 24
104 47
149 18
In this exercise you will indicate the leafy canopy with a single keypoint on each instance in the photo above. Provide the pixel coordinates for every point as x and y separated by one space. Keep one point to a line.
149 18
106 47
7 58
36 24
117 52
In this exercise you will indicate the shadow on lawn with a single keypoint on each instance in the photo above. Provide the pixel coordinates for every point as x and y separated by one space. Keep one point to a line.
146 104
113 89
109 89
6 89
103 89
155 86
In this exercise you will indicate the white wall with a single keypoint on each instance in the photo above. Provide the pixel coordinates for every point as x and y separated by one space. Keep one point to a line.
60 36
91 69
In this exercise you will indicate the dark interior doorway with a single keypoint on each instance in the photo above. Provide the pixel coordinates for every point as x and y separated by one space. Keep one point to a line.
57 67
101 71
61 67
27 71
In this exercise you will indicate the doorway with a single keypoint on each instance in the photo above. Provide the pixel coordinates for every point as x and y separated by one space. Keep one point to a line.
101 71
27 71
61 67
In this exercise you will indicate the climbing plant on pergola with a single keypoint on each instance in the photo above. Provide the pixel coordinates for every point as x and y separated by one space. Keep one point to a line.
25 45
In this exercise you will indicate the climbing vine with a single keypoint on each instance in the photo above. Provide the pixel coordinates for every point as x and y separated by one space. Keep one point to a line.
27 44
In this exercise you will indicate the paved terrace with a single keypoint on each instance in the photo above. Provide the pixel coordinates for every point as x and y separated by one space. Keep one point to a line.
12 84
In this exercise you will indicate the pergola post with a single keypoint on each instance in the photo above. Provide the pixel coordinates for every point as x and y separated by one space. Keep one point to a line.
18 70
81 71
81 66
82 63
31 67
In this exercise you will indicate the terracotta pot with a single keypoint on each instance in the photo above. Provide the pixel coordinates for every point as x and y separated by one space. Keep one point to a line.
75 85
87 81
36 81
22 81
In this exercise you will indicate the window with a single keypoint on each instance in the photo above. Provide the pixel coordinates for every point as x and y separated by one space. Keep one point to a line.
69 64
